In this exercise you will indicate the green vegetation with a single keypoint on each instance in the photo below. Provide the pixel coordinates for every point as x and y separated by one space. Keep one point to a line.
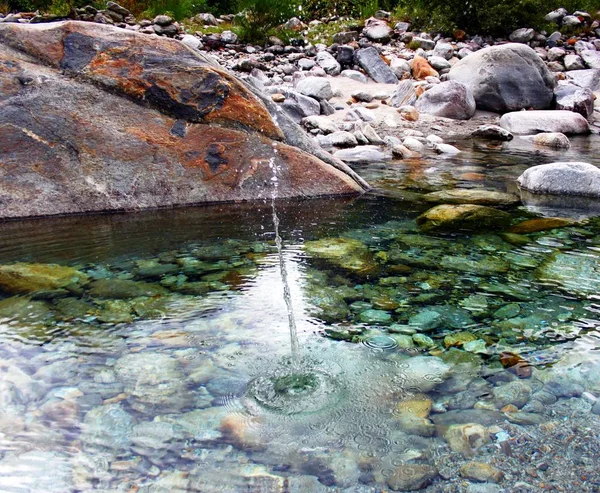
258 19
481 16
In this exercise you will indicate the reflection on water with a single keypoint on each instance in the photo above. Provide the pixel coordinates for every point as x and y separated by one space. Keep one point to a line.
151 352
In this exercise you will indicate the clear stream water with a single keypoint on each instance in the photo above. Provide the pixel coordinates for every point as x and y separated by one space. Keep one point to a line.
167 363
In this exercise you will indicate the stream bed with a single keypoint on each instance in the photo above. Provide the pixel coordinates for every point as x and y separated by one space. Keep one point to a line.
151 352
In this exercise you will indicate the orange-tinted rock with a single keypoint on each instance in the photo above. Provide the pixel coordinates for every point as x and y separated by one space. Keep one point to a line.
516 364
420 68
96 118
541 224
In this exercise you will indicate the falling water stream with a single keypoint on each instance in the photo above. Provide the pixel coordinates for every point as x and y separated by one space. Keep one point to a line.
295 347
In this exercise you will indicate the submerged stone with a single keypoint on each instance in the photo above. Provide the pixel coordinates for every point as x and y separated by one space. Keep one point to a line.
23 278
484 265
471 196
124 289
578 274
541 224
346 253
462 217
458 339
412 477
376 317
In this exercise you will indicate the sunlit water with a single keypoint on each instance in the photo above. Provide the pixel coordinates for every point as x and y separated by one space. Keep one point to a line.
167 366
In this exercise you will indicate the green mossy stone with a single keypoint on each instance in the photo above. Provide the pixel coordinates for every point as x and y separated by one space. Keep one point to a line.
153 269
462 217
74 308
376 317
23 278
347 253
122 289
458 339
115 312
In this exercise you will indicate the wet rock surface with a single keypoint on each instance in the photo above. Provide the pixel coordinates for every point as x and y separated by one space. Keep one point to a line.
180 127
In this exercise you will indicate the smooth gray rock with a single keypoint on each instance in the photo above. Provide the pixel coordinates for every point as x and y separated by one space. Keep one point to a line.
449 99
572 98
315 87
374 66
505 78
532 122
581 179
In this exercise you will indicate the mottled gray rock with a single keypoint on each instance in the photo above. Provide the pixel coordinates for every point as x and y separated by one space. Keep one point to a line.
355 75
306 63
516 393
556 15
424 43
191 41
571 21
400 67
572 98
555 54
532 122
318 122
229 37
569 178
556 140
327 62
591 58
404 95
315 87
345 37
523 35
588 78
449 99
443 50
493 132
439 63
445 149
298 106
338 139
573 62
505 78
362 154
377 30
374 66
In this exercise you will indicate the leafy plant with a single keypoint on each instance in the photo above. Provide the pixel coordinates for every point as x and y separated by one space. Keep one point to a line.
258 17
178 9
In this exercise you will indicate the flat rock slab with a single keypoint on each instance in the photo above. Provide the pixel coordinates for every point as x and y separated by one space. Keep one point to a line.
96 118
533 122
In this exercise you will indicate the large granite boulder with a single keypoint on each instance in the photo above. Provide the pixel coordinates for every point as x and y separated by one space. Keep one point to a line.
97 118
449 99
582 179
505 78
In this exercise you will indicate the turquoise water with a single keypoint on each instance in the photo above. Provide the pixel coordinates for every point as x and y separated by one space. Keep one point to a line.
160 360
